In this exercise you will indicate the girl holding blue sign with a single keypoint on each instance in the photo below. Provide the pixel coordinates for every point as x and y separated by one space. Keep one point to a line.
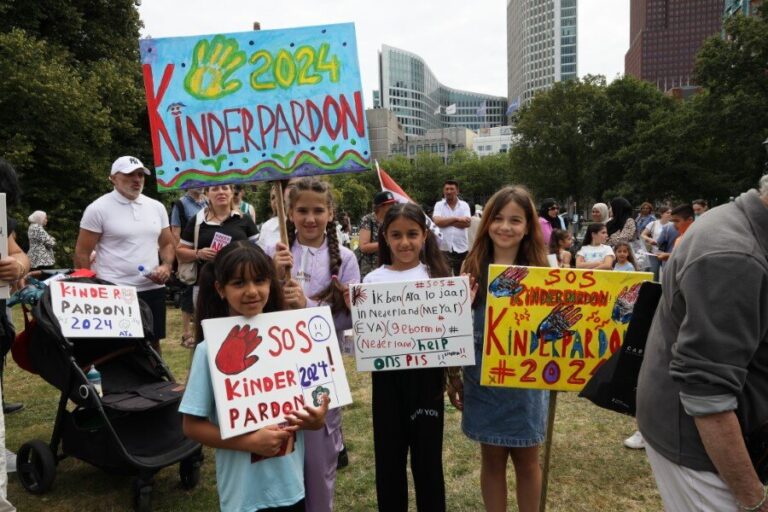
324 269
407 405
261 470
508 423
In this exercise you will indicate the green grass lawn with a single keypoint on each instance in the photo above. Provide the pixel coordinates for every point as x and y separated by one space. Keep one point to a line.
591 470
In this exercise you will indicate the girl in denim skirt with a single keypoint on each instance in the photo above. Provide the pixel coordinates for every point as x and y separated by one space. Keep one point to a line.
508 423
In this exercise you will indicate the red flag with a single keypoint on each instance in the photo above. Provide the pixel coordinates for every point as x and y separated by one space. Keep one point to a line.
387 183
390 185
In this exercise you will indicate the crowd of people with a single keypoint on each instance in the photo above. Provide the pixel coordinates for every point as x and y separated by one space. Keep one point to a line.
704 367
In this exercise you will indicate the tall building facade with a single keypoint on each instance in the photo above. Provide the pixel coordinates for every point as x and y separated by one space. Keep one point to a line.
745 7
408 88
665 36
541 46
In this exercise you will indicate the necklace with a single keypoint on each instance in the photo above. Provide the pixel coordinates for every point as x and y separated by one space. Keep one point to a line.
217 218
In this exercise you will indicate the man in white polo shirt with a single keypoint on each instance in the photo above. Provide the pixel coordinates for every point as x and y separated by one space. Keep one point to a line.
453 217
128 229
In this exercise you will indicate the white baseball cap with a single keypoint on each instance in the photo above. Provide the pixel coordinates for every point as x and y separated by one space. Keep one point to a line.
128 164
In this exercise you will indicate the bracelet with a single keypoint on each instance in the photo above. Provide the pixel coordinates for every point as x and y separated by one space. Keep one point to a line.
758 506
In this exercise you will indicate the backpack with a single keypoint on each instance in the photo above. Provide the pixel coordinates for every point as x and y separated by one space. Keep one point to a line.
179 205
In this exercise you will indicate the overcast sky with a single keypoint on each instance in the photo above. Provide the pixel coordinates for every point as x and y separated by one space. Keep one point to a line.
463 43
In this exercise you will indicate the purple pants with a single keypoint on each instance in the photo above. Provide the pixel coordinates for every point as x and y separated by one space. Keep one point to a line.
321 453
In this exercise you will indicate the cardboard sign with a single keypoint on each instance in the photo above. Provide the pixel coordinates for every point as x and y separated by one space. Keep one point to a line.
5 288
552 328
220 240
255 106
413 324
90 310
268 365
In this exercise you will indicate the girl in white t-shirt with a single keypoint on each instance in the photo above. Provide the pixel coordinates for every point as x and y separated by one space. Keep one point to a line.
407 405
594 253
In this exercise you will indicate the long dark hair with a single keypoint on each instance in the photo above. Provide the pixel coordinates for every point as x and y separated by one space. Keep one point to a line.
544 213
532 251
557 236
237 260
9 182
621 210
593 228
430 254
333 295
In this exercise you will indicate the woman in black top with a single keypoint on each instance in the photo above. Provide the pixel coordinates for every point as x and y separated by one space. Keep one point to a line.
219 224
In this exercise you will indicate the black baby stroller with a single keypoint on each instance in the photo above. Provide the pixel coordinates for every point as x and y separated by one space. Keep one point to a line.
134 429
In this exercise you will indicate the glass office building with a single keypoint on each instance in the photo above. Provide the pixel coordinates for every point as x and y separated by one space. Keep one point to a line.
408 88
541 46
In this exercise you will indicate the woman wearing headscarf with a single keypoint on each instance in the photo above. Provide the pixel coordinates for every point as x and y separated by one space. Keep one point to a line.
600 213
40 242
549 219
621 227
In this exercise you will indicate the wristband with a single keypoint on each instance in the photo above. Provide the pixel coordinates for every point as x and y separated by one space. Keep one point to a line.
756 507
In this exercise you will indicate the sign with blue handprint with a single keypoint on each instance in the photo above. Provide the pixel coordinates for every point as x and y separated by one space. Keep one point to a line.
551 328
255 106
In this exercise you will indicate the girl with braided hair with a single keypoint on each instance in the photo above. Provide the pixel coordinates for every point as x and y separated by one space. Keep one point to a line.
324 269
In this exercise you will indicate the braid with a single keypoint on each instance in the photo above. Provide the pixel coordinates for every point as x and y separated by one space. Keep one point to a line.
333 295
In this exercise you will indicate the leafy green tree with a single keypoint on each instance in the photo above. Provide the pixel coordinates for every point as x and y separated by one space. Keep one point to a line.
52 131
554 155
71 101
733 112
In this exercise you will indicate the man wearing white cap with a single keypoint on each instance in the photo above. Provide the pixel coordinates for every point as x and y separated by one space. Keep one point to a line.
128 229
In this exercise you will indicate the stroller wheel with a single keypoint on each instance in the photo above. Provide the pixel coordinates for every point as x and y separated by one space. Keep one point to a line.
36 466
189 471
142 496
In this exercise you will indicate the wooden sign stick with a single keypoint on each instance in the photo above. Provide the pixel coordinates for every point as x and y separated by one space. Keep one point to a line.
281 219
548 449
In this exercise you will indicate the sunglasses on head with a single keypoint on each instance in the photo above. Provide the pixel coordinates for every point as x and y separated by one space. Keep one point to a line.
554 207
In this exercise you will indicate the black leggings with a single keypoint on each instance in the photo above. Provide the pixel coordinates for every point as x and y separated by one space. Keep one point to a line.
296 507
408 414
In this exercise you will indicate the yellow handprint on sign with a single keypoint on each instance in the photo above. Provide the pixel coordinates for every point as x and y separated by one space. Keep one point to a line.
212 65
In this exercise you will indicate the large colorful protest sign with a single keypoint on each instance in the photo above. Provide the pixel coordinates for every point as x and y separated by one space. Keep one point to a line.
552 328
254 106
266 366
414 324
92 310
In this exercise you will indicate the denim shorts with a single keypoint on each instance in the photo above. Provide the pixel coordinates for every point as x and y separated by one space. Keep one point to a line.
515 418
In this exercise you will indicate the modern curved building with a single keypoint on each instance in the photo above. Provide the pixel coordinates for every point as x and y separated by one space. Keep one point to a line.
408 88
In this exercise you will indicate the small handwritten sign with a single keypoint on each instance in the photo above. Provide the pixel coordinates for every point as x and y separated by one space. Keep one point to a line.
552 328
220 240
414 324
91 310
268 365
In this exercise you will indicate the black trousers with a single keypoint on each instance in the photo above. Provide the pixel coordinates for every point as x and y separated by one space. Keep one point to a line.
408 415
455 259
296 507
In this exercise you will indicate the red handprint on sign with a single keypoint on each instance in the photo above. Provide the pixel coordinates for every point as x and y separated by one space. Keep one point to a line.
233 356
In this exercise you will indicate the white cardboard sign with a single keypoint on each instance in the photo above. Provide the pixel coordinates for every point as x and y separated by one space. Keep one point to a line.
90 310
268 365
413 324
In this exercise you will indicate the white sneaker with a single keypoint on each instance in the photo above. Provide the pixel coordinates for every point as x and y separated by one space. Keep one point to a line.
635 441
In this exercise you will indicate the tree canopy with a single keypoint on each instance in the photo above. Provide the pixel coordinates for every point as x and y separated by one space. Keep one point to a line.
71 101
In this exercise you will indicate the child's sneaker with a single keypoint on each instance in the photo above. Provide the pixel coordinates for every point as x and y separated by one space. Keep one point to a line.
635 441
